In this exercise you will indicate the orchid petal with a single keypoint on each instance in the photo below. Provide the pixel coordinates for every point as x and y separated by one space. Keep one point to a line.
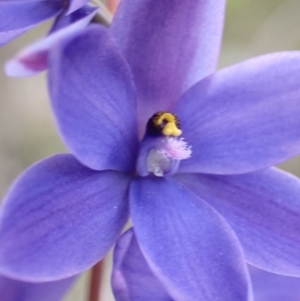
15 290
33 59
272 287
132 279
169 45
263 208
16 17
245 117
187 244
59 219
93 99
76 4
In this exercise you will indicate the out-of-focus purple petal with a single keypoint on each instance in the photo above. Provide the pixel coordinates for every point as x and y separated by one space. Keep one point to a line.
93 98
60 218
187 244
132 279
76 4
245 117
272 287
15 290
170 45
264 210
33 59
84 14
16 17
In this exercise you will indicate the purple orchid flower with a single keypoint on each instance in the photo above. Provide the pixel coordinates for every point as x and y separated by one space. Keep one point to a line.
17 17
14 290
199 187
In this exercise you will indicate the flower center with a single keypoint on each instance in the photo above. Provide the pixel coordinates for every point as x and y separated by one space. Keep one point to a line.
161 148
164 123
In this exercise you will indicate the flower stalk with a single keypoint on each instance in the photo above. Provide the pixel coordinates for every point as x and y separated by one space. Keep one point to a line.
95 282
112 5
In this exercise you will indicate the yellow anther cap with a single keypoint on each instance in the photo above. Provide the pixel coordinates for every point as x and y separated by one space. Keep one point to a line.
164 123
171 129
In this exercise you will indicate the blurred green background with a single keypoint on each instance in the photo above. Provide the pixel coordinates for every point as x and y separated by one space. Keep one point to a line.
27 129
